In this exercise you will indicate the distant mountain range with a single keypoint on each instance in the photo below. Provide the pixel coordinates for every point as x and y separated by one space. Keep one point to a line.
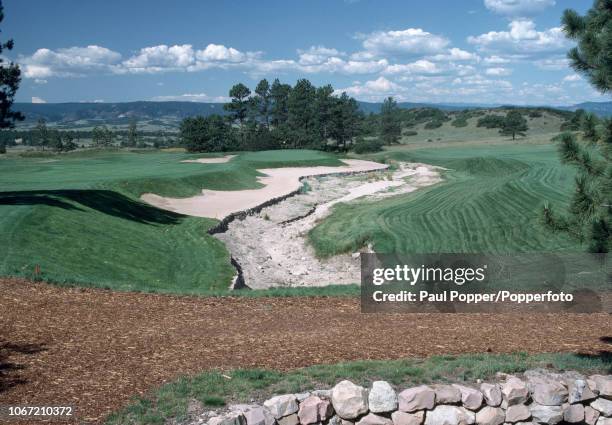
169 113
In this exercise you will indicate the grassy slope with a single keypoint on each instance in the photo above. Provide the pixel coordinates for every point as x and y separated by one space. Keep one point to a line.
79 218
214 389
491 200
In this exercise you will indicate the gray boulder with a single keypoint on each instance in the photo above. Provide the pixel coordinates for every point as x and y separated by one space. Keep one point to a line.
382 397
403 418
492 394
603 384
447 394
314 410
591 415
515 391
349 400
517 413
450 415
573 413
282 405
490 416
548 392
546 414
373 419
417 398
471 398
604 421
289 420
578 391
603 405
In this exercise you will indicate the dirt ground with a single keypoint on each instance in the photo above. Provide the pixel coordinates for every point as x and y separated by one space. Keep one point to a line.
96 349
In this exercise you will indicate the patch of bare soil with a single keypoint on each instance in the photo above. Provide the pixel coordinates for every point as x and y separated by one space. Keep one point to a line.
272 248
96 349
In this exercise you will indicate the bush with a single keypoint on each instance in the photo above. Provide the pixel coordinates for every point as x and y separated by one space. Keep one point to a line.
491 121
367 146
460 121
410 133
535 114
434 124
2 148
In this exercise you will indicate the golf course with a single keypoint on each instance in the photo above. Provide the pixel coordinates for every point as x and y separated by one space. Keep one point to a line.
78 218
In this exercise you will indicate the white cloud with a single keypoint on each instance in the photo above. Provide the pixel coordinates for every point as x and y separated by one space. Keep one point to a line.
160 58
72 61
552 64
518 7
374 90
498 71
456 54
494 60
36 99
220 53
572 77
522 37
408 41
191 97
421 66
40 81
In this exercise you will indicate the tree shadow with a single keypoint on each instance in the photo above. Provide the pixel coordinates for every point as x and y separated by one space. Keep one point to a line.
9 371
104 201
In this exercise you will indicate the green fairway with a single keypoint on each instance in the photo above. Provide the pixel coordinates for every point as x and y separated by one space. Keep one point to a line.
491 202
79 219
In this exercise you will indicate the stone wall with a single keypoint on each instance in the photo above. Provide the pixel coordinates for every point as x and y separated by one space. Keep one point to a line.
538 396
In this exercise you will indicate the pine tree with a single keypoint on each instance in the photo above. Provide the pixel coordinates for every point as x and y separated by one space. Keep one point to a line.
10 77
390 129
590 211
514 123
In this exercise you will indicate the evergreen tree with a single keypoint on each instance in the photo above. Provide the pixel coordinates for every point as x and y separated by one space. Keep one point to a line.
514 123
239 104
10 77
262 101
590 214
593 33
589 127
301 113
390 128
325 103
344 120
42 133
132 135
279 94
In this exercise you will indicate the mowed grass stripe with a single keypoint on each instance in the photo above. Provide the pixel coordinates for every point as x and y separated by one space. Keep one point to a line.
490 202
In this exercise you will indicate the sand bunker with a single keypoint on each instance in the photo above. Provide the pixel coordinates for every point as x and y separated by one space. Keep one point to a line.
277 182
219 160
272 246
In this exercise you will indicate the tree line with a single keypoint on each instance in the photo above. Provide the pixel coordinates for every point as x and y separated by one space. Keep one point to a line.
281 116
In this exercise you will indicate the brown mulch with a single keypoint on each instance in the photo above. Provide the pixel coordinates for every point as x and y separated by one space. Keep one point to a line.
96 349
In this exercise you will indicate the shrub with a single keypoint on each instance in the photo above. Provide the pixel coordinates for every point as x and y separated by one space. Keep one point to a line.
460 121
491 121
366 146
410 133
434 124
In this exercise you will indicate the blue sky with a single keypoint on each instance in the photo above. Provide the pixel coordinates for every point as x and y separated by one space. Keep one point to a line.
484 51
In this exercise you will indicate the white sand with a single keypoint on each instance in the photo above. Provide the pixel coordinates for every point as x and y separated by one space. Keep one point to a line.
277 182
219 160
